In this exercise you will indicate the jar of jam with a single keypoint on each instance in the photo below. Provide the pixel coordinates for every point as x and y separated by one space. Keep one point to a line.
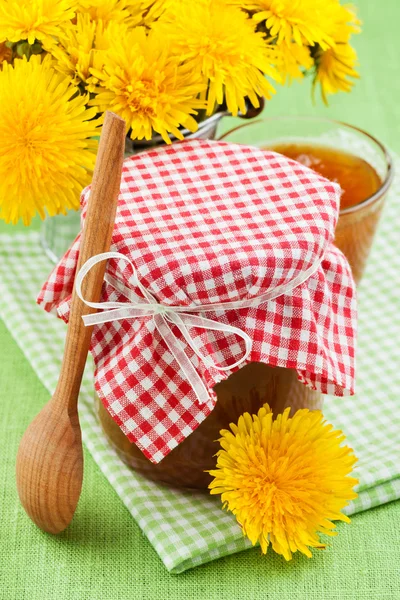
220 295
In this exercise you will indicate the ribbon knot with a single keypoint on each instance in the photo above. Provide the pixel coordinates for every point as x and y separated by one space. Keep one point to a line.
162 309
163 317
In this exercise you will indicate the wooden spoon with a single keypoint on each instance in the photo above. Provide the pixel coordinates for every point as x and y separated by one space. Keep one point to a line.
50 459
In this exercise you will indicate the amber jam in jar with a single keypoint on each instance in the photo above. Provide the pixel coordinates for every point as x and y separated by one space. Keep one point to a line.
359 181
245 390
357 178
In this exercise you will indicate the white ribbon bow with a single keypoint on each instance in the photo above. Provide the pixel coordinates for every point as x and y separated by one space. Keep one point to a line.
163 316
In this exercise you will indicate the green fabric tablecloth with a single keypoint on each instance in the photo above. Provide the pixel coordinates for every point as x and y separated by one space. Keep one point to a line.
103 555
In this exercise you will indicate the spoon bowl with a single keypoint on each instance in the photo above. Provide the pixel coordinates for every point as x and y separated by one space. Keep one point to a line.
48 492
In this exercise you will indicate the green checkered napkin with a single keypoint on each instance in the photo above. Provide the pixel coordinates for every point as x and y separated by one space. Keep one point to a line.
189 528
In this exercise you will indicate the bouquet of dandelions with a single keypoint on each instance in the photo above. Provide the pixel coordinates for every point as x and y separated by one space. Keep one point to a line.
162 65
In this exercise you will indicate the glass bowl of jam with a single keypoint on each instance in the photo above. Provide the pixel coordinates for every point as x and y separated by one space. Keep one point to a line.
341 153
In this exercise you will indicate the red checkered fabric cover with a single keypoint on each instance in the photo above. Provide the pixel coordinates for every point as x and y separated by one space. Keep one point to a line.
207 222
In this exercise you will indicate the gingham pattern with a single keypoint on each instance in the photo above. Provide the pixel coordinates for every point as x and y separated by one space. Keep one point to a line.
188 529
207 222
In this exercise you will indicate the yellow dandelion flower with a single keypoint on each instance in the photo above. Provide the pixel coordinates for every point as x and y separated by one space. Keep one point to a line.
141 81
291 20
74 52
286 479
334 67
81 45
45 137
220 42
34 19
128 12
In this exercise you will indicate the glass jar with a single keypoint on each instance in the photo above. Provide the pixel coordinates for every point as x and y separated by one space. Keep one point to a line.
357 224
246 390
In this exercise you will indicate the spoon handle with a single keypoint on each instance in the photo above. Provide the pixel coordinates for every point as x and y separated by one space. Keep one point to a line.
96 238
